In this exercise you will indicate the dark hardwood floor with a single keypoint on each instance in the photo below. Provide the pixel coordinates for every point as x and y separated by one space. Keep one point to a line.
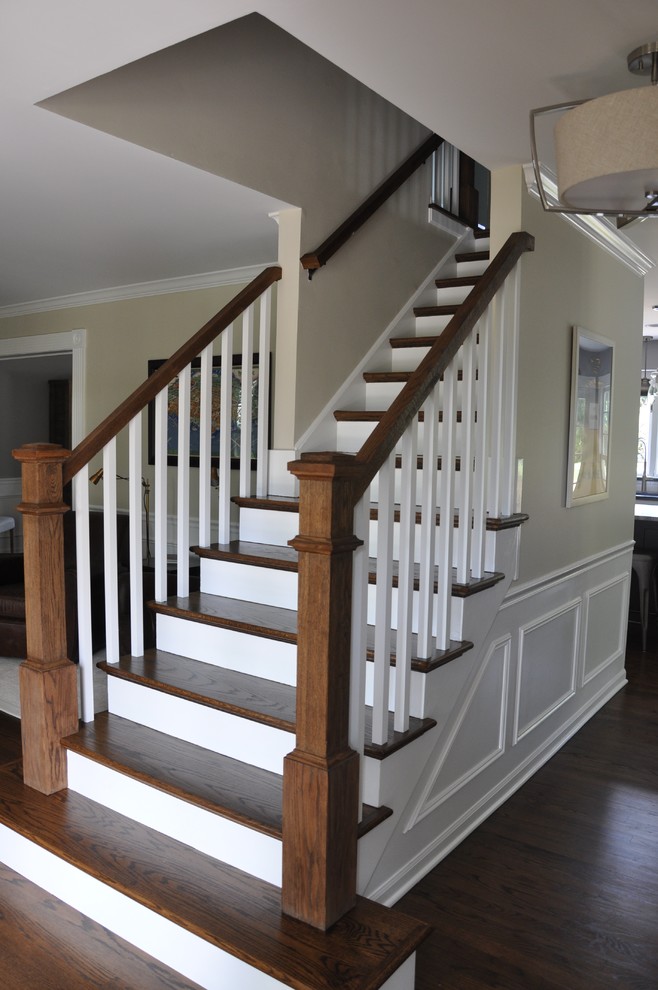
559 887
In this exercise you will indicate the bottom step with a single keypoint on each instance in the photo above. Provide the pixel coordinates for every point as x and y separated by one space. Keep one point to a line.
215 924
46 943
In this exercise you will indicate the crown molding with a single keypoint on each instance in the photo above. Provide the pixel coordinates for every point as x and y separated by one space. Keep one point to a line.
137 290
599 229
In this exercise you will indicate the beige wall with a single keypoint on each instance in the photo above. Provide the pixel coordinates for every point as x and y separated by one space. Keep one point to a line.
121 338
568 281
249 102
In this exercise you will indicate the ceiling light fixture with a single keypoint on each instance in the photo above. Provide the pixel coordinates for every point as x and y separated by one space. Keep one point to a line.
645 381
606 149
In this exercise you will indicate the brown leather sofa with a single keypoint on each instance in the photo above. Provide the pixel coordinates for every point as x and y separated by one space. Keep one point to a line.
12 590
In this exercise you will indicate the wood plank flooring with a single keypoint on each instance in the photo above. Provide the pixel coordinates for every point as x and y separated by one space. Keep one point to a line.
559 887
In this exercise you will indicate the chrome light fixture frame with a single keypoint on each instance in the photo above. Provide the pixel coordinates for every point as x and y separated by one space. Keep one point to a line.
641 61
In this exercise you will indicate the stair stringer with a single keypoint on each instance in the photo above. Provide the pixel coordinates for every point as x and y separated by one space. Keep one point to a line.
322 433
406 780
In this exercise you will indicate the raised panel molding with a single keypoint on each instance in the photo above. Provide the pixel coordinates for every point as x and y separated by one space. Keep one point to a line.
606 608
475 736
547 666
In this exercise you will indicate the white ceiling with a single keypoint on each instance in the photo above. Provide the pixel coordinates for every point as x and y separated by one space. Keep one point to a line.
80 210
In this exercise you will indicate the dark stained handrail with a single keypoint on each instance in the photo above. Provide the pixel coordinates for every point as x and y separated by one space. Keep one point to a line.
406 406
149 389
316 259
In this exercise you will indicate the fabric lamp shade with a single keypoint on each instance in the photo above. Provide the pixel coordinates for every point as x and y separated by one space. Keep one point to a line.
607 151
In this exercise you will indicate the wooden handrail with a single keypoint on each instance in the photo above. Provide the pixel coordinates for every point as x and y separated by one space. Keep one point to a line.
406 406
149 389
316 259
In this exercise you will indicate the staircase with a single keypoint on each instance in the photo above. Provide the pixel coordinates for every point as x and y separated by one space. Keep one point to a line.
172 829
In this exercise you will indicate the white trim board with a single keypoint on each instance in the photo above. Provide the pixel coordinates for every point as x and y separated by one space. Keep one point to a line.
138 290
70 341
598 229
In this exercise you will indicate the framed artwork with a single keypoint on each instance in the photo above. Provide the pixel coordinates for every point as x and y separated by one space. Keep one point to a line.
195 412
589 423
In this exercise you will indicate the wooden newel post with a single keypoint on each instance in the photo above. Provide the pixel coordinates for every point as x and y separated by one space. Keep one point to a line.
321 775
48 680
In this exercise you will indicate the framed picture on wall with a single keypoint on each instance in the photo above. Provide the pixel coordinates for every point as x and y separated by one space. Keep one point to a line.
588 461
195 413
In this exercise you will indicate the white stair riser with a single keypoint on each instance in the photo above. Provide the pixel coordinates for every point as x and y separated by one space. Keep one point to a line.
221 732
417 697
268 526
372 593
472 267
434 324
251 584
407 358
451 295
242 847
269 658
181 950
352 436
380 395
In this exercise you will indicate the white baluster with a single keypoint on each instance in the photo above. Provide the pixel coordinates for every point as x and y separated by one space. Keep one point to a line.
160 492
443 601
466 462
110 552
511 348
183 521
497 398
403 651
135 536
246 386
481 449
359 629
224 466
382 665
262 455
85 651
428 524
205 416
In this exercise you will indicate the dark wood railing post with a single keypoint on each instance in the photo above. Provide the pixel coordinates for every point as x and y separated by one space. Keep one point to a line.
321 775
48 680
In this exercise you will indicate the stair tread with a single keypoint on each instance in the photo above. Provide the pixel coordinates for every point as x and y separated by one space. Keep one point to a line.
420 341
279 558
457 282
445 310
46 943
221 904
269 621
220 784
193 608
472 256
225 786
277 503
375 415
233 691
494 523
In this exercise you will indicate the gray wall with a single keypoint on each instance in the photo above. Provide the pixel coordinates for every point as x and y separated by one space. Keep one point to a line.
569 281
249 102
24 404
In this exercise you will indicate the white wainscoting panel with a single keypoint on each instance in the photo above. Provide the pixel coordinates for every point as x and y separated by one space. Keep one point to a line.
548 657
606 609
475 735
551 656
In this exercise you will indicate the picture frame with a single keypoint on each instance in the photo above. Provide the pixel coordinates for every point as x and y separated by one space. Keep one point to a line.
588 463
195 393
